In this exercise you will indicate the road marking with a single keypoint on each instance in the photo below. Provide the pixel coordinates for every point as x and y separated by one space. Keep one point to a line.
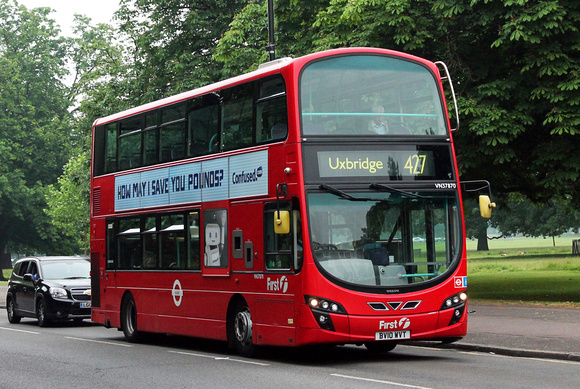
15 330
99 341
219 358
488 354
379 381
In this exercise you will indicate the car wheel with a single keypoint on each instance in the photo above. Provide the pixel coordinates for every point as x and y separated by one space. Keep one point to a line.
129 319
12 317
243 332
43 321
380 347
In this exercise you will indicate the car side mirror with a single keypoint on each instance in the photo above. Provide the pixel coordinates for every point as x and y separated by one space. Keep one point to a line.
28 277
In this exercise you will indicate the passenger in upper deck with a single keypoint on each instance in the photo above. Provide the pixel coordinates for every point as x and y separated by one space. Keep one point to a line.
377 123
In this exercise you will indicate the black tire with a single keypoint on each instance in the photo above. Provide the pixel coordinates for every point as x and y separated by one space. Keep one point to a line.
242 331
380 347
43 320
12 316
129 319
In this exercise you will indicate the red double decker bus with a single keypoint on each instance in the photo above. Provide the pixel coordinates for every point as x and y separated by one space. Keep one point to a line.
315 200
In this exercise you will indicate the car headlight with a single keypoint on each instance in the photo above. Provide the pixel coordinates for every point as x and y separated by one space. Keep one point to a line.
58 293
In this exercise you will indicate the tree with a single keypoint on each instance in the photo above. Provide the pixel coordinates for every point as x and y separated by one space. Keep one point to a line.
242 48
521 216
99 79
173 44
475 226
34 123
515 63
68 201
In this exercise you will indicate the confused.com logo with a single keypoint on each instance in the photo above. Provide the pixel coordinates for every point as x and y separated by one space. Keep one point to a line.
245 177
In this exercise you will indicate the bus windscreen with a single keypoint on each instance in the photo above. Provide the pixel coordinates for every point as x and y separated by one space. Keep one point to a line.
370 95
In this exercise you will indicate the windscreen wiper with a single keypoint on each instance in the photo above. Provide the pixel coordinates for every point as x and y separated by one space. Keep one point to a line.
344 195
388 188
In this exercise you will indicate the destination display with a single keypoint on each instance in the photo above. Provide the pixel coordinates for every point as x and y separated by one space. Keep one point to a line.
375 163
368 163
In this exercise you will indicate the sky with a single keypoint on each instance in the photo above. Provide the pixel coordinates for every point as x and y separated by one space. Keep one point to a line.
100 11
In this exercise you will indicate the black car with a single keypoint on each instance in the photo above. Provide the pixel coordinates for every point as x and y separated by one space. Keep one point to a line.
49 289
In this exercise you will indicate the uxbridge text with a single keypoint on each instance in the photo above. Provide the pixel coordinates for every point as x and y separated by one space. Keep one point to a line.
355 164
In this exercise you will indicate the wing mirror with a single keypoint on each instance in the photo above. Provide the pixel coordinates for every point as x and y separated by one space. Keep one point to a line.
485 206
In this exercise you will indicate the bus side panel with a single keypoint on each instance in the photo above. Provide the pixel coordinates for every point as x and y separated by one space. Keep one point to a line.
276 322
248 218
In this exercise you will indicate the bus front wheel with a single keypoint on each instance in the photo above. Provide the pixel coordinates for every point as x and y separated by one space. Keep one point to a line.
243 333
129 319
380 347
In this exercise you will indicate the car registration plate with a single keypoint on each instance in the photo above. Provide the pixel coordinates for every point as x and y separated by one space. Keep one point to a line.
392 335
86 305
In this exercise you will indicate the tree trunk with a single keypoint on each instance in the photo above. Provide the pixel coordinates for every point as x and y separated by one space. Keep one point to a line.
482 240
5 262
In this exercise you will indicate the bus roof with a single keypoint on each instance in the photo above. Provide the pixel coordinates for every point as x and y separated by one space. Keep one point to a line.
263 69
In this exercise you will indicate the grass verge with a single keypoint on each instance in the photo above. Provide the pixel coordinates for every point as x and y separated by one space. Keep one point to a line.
549 276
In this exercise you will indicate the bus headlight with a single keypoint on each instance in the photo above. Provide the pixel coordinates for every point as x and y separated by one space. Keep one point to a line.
322 308
456 302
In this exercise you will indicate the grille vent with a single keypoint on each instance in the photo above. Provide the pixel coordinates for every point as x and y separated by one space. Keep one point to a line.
97 201
395 305
410 305
378 306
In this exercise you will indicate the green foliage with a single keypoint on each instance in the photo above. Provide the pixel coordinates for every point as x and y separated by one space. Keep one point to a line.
516 67
515 64
68 201
34 123
242 46
173 44
521 216
518 98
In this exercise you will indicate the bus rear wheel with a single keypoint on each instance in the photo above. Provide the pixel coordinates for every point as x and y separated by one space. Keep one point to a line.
243 333
129 319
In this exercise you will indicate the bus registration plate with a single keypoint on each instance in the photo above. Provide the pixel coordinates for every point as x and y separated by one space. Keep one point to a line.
392 335
86 305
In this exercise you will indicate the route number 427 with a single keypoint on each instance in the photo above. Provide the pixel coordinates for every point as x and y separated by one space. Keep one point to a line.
416 164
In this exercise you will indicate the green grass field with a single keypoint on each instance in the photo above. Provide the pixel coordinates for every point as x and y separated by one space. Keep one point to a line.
563 242
525 270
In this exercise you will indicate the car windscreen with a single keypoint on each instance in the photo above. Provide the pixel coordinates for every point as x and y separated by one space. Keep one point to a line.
66 269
